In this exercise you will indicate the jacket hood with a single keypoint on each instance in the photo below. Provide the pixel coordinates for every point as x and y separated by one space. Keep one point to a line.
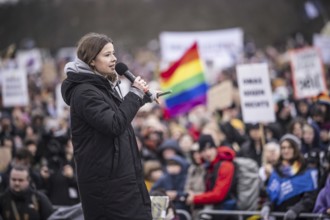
79 72
169 144
327 185
180 161
226 153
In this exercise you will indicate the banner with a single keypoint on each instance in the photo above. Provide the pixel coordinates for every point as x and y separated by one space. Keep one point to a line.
255 93
307 73
14 88
218 48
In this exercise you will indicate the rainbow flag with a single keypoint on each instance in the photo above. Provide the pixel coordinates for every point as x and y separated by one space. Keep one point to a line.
186 79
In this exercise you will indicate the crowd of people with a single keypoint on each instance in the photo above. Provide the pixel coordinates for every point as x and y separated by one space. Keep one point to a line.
191 158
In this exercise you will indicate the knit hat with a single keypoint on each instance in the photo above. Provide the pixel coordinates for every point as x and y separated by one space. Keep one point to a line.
294 139
237 124
205 140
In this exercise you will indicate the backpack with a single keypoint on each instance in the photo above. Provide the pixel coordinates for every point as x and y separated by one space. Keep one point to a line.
245 185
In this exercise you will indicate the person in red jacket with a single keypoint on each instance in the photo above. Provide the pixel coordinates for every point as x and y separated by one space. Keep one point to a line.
220 171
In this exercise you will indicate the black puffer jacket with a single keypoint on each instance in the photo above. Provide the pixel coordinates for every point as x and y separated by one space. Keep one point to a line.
107 159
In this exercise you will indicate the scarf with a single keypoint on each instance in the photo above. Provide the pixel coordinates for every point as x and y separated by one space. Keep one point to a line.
289 170
79 66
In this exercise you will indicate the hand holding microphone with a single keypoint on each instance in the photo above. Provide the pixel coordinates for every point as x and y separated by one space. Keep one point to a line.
141 84
138 82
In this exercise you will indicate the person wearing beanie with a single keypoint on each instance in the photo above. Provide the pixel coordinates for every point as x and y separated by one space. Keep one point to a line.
292 186
293 139
204 141
219 176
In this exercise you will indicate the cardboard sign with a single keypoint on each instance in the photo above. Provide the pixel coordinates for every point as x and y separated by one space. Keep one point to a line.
255 93
220 96
307 73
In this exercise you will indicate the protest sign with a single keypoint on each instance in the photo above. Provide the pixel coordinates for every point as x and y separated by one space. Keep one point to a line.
220 96
14 88
322 42
255 93
218 49
307 73
49 73
30 60
159 206
60 104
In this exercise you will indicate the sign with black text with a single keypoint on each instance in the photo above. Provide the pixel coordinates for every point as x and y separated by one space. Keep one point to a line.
307 73
14 88
255 93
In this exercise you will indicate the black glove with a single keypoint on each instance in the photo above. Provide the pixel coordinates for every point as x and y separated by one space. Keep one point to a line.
265 212
290 215
152 98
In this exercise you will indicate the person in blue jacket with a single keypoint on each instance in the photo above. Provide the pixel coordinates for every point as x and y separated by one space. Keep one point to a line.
173 181
292 186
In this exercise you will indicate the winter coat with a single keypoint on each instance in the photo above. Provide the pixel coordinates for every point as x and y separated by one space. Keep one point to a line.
323 199
174 182
248 150
108 164
195 179
30 204
62 190
218 191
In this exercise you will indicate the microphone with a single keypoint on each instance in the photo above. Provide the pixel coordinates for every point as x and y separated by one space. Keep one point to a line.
122 69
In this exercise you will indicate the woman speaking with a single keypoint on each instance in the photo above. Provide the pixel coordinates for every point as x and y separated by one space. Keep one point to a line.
109 171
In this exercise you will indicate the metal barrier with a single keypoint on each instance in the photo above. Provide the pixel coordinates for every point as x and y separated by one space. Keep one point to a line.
240 214
184 215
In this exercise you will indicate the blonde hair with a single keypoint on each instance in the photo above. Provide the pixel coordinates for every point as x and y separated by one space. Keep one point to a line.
270 146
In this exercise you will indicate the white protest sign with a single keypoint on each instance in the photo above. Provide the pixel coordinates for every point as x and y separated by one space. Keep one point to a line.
307 73
14 88
66 53
31 60
218 48
255 93
322 42
60 104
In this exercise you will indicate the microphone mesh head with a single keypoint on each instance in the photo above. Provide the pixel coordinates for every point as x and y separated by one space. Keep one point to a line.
121 68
